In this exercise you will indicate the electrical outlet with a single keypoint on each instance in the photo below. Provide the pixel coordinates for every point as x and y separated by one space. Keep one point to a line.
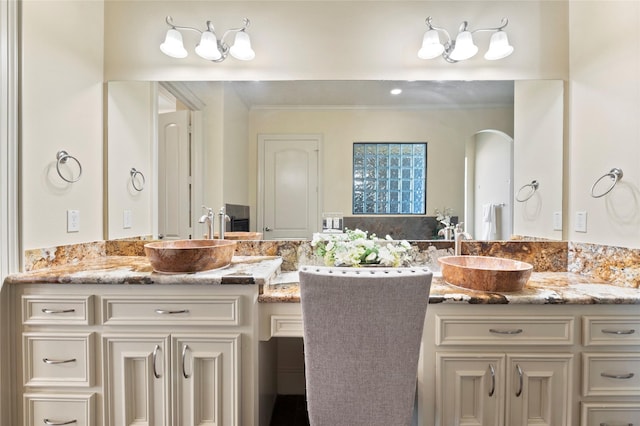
557 221
73 220
127 219
581 221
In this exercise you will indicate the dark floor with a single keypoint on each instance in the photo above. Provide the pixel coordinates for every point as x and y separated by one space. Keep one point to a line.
290 410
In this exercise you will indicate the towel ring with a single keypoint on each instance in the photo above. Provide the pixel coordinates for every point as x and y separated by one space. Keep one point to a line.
534 187
134 175
615 174
62 157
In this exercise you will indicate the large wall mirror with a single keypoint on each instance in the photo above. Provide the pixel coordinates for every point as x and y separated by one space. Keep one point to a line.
487 141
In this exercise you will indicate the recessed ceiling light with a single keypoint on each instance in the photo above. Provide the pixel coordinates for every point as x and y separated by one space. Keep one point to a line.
396 91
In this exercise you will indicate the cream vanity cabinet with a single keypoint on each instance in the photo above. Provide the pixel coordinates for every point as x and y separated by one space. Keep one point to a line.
490 369
118 355
610 370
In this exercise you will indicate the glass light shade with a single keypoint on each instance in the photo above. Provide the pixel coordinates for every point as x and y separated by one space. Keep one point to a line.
431 46
208 47
241 48
499 47
464 48
172 45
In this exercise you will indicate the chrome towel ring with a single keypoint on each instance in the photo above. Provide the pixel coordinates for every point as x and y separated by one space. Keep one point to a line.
533 187
62 157
135 176
615 174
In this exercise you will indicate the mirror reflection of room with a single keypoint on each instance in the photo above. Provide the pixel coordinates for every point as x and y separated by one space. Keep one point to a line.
233 124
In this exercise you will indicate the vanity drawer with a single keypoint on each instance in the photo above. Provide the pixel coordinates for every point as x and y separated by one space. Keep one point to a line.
171 310
65 310
610 330
611 374
504 330
61 359
52 409
286 326
610 414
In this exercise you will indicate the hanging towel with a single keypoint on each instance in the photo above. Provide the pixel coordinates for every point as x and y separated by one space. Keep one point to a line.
489 221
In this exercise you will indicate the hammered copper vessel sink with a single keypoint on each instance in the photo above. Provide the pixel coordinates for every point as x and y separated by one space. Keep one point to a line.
187 256
485 273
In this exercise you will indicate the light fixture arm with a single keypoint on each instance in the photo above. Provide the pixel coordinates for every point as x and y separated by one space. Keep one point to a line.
221 42
170 23
503 24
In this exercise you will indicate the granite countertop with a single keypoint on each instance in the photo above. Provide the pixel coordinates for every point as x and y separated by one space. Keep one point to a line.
542 288
137 270
282 287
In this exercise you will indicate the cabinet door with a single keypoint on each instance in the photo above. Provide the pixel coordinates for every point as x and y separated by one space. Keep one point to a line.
136 379
206 368
539 389
470 389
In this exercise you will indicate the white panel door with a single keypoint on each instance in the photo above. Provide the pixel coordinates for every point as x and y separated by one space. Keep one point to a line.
290 177
539 390
207 389
137 380
470 389
174 175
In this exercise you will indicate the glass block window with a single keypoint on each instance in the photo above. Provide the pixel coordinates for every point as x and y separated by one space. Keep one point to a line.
389 178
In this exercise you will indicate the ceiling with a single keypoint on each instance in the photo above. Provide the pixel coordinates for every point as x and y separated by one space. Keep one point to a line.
356 93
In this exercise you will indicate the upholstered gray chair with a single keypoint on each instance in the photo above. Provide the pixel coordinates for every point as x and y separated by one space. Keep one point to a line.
362 333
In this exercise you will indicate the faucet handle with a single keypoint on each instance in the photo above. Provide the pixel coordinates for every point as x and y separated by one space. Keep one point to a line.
459 227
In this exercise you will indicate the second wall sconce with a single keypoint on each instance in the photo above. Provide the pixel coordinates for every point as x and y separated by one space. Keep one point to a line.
462 47
210 46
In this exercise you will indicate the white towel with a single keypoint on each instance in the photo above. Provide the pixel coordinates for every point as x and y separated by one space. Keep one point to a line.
489 221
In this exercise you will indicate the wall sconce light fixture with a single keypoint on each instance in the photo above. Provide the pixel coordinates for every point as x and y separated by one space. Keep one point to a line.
210 47
462 47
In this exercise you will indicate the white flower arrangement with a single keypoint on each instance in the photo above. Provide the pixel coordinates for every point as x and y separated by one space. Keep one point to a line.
444 216
356 248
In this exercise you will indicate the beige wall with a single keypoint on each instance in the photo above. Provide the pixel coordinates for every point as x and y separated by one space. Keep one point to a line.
62 75
605 120
334 40
538 155
61 109
445 131
129 144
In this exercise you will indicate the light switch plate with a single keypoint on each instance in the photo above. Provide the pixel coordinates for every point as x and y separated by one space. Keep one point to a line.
73 220
557 221
581 221
127 219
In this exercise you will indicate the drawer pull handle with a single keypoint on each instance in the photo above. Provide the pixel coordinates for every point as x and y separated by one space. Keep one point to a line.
521 380
168 312
58 423
58 361
606 331
155 359
618 376
611 424
58 311
184 361
496 331
493 380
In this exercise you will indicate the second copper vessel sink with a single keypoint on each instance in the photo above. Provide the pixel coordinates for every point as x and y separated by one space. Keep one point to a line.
485 273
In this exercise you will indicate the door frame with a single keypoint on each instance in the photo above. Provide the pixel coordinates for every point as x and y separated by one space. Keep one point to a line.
262 139
195 105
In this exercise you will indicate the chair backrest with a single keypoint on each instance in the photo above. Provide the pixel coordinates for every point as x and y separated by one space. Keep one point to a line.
362 334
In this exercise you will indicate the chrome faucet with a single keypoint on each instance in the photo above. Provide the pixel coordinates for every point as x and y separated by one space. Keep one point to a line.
224 218
208 220
459 235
